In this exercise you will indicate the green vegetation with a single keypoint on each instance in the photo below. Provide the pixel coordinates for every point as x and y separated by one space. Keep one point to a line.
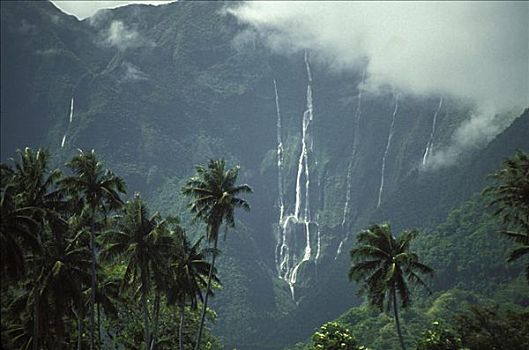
511 198
71 249
334 336
214 194
385 265
478 301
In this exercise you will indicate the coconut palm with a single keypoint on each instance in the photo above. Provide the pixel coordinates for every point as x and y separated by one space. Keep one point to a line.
17 230
143 243
189 270
28 196
36 195
384 264
64 273
214 192
96 188
510 197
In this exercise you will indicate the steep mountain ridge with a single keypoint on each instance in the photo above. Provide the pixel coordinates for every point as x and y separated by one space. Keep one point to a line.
156 90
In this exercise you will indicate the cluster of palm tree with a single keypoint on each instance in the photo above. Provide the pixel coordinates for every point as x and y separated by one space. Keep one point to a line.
71 248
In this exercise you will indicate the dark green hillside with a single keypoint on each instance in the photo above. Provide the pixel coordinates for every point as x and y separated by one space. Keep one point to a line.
469 257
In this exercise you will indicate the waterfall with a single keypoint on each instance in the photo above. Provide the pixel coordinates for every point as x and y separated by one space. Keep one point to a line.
71 110
356 141
388 144
307 66
279 157
280 239
429 145
69 123
318 242
339 250
287 260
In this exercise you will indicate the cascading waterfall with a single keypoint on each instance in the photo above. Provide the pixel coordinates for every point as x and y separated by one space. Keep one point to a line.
339 251
356 141
288 261
318 244
388 144
69 123
429 145
280 236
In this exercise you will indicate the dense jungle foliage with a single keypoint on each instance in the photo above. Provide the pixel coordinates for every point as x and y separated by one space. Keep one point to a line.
82 267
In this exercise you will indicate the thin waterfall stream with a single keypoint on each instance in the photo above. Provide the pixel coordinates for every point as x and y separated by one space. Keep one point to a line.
386 151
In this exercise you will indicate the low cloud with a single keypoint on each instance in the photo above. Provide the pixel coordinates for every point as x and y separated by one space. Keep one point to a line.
119 36
132 73
475 132
477 51
48 52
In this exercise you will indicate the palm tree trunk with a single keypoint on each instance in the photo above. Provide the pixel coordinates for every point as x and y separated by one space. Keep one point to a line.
36 314
397 322
156 318
93 285
180 328
205 304
145 312
79 330
99 325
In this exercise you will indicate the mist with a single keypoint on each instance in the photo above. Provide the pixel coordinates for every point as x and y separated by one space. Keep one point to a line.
476 51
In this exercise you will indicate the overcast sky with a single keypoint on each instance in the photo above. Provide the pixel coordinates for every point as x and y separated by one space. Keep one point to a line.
82 9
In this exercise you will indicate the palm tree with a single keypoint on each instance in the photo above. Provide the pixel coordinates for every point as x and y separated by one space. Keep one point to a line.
385 265
36 196
142 242
189 272
64 273
510 197
28 197
214 193
97 188
17 230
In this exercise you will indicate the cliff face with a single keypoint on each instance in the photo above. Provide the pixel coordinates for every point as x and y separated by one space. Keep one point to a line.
157 90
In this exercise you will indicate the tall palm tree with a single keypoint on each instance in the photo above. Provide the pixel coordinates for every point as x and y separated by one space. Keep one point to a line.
37 197
189 270
97 188
214 192
64 272
17 230
385 265
142 242
28 197
510 197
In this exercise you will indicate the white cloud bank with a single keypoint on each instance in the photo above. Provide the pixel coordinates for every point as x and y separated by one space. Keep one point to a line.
478 51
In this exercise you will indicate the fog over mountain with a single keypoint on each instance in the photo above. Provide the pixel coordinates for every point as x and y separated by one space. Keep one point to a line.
471 50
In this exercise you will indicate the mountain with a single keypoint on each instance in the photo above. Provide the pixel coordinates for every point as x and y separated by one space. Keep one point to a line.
157 90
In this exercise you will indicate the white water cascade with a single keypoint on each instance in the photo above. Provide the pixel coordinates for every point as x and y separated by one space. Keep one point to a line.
388 144
356 141
429 145
287 260
280 236
69 123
